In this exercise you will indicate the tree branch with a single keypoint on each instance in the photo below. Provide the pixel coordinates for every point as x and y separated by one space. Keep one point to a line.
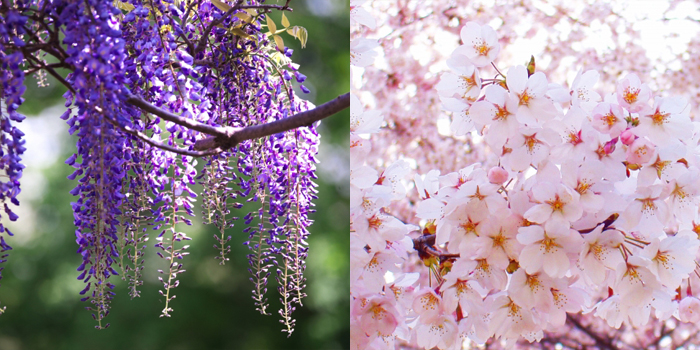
600 341
234 136
425 246
143 137
194 125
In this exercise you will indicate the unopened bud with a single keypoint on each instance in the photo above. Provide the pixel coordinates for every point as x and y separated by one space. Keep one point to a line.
627 137
497 175
610 146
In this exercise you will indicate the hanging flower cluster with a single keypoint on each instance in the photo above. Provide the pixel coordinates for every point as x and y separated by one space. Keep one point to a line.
11 142
154 85
587 205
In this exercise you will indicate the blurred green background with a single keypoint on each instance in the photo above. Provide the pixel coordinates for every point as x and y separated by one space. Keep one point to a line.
213 308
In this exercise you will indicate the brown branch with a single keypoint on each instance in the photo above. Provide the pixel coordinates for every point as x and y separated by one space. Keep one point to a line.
268 7
234 136
425 246
143 137
600 341
192 124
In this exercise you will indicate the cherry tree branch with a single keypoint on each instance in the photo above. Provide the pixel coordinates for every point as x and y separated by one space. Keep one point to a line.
233 136
600 341
425 246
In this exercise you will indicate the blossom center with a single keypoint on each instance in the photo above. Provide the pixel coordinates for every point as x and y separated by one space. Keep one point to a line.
659 118
549 243
525 99
375 222
556 204
583 186
481 48
679 193
531 142
630 95
610 119
501 113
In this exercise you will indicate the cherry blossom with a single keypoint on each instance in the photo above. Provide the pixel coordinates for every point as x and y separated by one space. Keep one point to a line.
480 44
539 211
632 94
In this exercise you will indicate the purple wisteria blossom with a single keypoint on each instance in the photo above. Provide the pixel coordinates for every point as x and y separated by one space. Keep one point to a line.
155 85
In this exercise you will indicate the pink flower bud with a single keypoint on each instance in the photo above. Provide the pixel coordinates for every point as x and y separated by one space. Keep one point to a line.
641 151
627 137
610 146
498 175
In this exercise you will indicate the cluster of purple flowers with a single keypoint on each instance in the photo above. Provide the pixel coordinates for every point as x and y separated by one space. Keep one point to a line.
135 167
11 142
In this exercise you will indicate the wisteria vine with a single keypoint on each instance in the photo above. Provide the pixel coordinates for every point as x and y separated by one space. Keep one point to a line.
153 86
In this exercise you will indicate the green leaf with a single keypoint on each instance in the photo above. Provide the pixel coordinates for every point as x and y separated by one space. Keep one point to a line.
279 42
285 21
221 5
271 24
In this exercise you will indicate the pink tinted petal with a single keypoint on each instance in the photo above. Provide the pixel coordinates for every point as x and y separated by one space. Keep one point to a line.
531 258
537 84
539 213
517 79
520 159
557 263
495 94
530 234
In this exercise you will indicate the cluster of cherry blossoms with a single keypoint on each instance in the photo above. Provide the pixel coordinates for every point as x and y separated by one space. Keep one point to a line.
582 205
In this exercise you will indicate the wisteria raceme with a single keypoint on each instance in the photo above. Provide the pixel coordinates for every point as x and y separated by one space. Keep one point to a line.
11 142
153 85
566 220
